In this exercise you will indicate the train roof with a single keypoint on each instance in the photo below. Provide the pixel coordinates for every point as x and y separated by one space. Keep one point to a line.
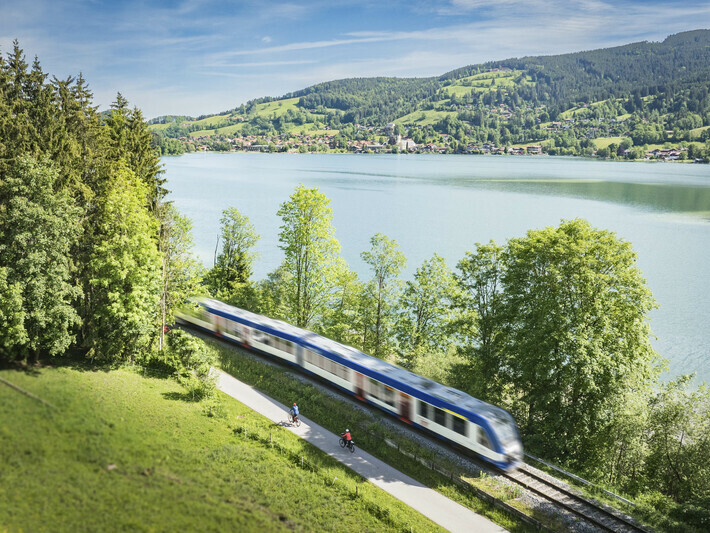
394 373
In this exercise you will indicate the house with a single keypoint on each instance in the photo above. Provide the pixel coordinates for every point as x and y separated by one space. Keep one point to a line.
406 145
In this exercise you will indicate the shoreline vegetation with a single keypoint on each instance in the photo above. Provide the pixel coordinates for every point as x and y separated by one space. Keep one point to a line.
642 101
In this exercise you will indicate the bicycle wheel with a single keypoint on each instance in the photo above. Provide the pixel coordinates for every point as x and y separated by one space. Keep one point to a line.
290 418
298 422
352 448
342 442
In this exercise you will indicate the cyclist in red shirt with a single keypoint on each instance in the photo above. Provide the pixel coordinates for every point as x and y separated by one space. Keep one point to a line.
347 437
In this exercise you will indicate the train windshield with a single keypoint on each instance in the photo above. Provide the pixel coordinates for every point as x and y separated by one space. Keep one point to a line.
504 426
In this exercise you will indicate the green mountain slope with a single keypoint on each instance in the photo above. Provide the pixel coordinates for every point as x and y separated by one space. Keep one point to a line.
637 94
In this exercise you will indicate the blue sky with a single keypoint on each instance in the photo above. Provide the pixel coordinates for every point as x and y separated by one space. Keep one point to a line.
202 56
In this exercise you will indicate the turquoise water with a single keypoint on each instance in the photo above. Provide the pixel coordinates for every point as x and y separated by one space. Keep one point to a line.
445 204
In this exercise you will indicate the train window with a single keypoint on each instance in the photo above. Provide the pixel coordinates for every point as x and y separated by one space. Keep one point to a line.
483 438
424 409
440 416
341 371
459 425
375 388
389 396
286 346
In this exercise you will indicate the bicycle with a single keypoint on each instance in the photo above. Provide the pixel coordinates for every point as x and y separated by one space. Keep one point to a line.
350 444
294 419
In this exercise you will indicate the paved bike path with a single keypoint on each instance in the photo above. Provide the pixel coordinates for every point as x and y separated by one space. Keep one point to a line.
435 506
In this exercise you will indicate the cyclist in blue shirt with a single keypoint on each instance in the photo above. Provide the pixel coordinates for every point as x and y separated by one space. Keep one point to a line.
294 412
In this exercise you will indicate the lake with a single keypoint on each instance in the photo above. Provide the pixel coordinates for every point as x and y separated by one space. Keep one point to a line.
444 204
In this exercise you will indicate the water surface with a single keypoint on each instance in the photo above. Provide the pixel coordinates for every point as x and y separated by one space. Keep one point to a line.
446 203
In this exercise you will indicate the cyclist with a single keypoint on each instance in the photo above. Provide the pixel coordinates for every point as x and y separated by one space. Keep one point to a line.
347 437
294 412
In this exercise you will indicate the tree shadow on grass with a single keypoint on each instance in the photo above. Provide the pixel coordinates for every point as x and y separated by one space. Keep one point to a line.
181 396
31 369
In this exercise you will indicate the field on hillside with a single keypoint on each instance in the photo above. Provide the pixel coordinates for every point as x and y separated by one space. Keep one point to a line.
118 451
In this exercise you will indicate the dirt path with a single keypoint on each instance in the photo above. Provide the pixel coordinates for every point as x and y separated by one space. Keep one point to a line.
430 503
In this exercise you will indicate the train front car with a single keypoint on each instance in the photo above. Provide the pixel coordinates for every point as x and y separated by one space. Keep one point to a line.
505 433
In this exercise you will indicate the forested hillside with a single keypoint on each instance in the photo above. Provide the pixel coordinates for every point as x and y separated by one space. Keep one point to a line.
93 262
616 102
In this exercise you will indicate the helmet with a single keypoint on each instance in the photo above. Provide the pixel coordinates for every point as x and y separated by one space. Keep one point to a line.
294 403
347 431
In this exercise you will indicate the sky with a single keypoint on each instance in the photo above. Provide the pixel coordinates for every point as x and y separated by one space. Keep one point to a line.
201 57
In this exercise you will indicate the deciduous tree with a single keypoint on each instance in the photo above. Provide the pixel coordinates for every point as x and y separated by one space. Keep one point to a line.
38 226
481 321
311 254
181 272
425 310
578 335
234 264
386 261
124 270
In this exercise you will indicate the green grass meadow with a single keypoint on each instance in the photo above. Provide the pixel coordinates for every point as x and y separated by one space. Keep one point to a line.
119 451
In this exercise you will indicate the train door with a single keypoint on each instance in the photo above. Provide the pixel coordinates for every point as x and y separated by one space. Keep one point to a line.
404 407
245 334
359 385
220 325
299 354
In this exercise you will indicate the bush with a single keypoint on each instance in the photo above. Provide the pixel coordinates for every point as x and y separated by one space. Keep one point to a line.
189 359
193 355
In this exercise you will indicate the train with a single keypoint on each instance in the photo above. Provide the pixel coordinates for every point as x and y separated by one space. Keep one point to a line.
486 430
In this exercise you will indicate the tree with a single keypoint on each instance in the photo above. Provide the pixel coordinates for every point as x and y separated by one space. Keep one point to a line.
679 442
311 251
234 265
181 273
342 320
481 321
577 335
38 227
387 262
124 270
12 317
425 310
131 141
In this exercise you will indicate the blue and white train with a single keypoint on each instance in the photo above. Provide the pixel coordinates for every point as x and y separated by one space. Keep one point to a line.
485 429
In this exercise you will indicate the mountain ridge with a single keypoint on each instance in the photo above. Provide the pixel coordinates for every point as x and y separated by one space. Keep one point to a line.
507 102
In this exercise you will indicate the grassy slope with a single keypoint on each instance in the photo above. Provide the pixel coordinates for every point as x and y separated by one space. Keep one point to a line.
368 432
176 469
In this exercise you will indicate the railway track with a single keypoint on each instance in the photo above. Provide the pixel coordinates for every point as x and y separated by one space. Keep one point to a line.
560 494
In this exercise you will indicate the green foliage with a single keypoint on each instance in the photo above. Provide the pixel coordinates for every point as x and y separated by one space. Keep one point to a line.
425 310
80 240
124 271
480 321
386 261
342 320
308 241
679 444
12 317
234 264
578 338
39 225
182 272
